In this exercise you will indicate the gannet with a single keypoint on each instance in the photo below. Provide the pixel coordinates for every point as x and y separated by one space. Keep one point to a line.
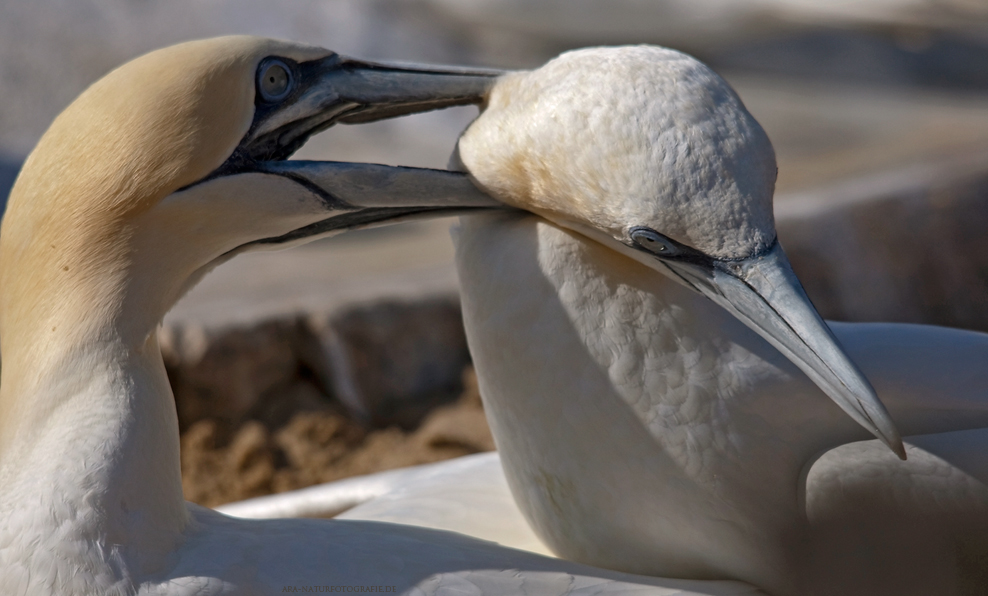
644 422
167 166
644 427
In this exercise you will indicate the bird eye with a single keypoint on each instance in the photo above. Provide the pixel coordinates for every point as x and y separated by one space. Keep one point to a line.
653 241
274 80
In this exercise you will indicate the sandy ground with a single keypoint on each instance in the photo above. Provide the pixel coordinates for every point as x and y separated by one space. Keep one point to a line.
303 439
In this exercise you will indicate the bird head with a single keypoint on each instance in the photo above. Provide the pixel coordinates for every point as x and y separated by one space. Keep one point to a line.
650 152
175 161
644 134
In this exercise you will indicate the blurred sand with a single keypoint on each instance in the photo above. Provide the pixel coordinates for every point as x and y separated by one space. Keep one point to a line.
309 441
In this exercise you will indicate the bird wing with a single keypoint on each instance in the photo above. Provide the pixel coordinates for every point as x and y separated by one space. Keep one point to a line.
919 524
333 498
931 379
945 475
306 555
470 496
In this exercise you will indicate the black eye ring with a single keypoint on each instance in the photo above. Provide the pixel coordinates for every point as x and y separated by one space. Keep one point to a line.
275 80
649 240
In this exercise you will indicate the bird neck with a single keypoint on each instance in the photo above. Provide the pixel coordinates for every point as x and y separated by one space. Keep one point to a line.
629 410
89 443
89 456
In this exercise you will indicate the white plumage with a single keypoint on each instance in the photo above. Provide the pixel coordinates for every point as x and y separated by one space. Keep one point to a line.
164 168
644 428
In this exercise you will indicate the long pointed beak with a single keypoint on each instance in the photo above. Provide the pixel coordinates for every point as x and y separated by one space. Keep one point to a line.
763 292
355 195
337 89
362 195
384 90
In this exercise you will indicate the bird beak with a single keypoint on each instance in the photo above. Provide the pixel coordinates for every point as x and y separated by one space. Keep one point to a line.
337 89
763 292
362 195
342 90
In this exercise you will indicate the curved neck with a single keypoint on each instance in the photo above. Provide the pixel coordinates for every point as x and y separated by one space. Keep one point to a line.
90 458
89 442
677 423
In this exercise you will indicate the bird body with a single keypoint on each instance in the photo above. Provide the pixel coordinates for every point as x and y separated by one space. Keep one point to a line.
468 495
643 420
669 425
632 390
642 428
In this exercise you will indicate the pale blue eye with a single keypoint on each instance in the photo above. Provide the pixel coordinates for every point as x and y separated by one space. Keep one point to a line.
274 80
652 241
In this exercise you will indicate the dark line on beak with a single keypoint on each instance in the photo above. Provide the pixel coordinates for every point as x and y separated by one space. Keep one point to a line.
363 217
331 201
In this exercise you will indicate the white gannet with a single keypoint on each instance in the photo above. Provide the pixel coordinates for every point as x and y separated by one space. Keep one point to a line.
642 422
642 426
165 167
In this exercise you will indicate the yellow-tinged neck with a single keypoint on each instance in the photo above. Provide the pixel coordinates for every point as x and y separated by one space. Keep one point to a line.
89 458
65 285
69 241
87 418
88 427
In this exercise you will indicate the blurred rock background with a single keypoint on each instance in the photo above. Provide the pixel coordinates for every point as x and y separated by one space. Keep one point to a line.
347 355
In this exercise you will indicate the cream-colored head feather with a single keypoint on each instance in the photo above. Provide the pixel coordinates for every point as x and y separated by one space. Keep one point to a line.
174 163
629 136
145 130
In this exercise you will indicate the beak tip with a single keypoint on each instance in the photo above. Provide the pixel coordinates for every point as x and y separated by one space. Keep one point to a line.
885 430
882 424
896 445
879 420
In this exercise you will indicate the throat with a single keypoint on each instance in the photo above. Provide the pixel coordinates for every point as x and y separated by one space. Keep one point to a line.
89 458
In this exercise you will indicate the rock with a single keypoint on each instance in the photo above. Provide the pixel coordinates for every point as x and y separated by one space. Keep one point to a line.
222 462
459 428
223 374
217 463
907 245
386 363
391 362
